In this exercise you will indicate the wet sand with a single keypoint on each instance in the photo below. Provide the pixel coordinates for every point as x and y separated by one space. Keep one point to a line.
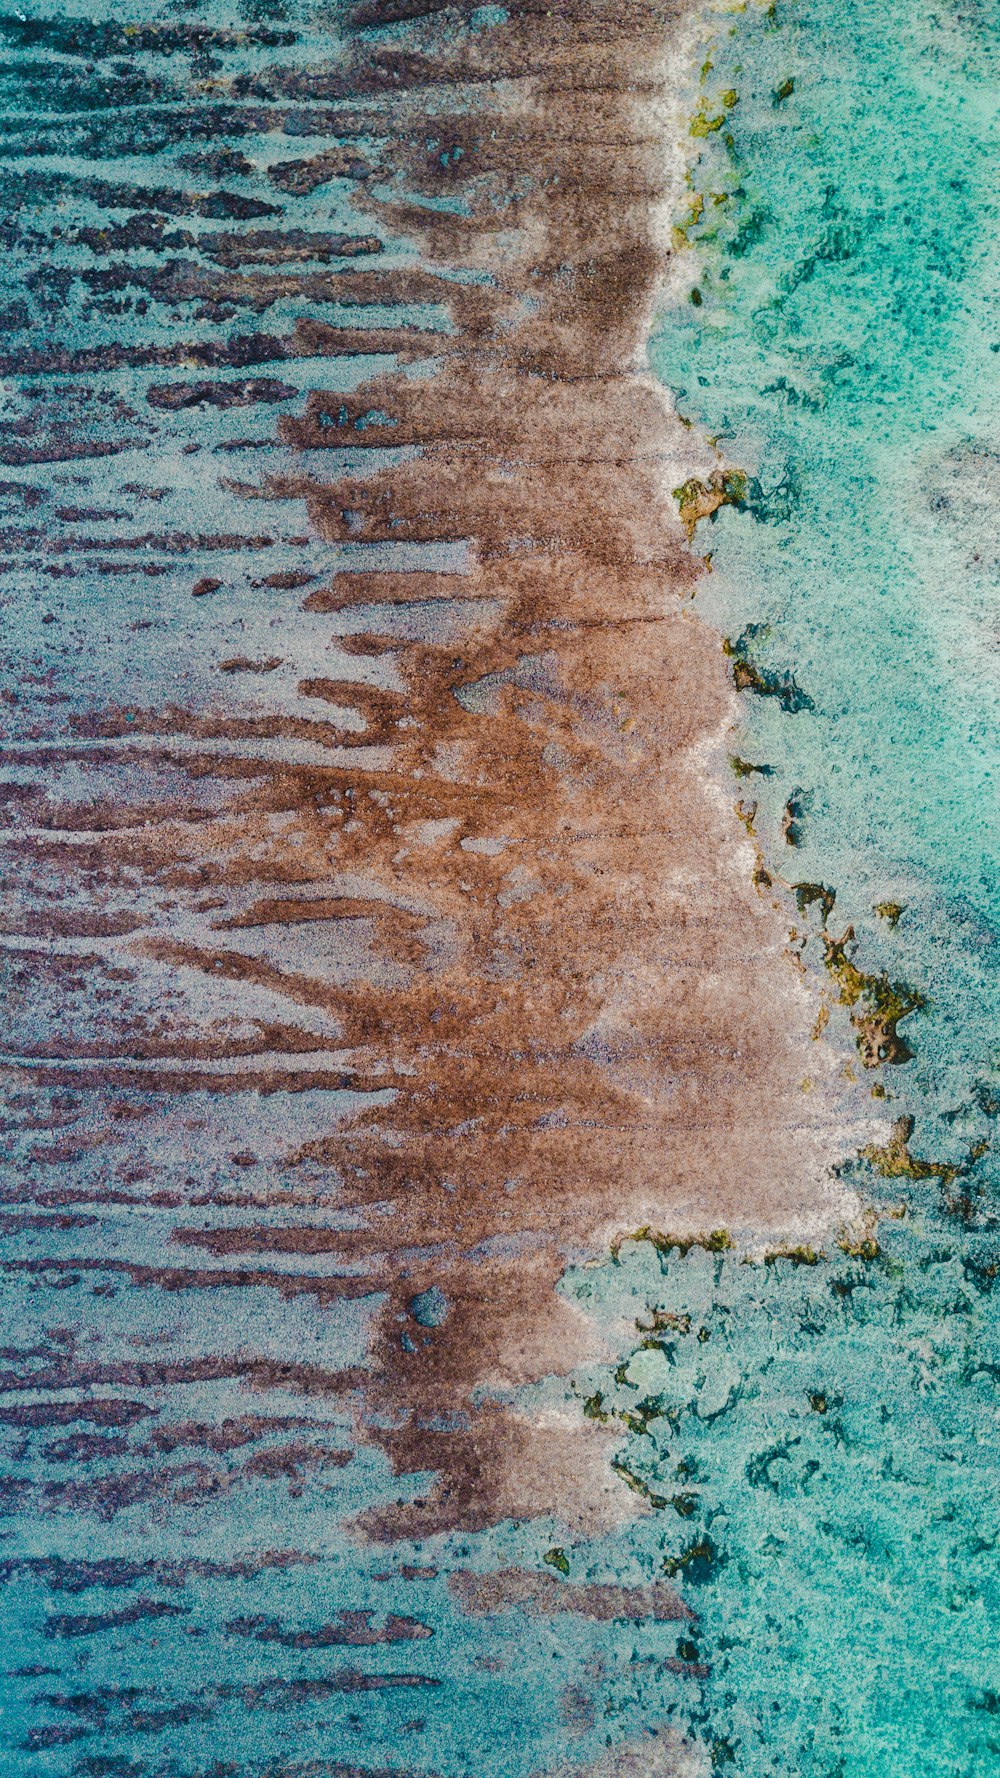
474 862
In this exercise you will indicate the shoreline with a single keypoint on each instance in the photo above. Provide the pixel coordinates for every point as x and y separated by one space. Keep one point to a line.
529 921
665 876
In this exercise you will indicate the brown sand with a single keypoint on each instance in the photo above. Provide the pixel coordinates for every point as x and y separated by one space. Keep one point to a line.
551 948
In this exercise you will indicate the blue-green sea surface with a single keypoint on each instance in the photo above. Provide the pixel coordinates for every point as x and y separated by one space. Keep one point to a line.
820 1431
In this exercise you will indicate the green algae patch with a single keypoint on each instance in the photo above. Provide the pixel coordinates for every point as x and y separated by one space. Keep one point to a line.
809 895
638 1486
890 911
750 675
743 768
782 92
699 1563
695 211
793 818
859 1240
556 1558
664 1320
805 1255
863 1247
638 1419
685 1505
702 500
877 1005
593 1409
895 1161
702 125
718 1241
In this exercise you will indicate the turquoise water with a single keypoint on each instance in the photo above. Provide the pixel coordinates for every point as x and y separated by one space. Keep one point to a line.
844 351
825 1433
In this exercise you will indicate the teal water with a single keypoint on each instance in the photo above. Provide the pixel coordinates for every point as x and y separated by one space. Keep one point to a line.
822 1432
844 351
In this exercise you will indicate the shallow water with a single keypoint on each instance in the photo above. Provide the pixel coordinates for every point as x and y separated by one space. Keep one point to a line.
831 1419
844 352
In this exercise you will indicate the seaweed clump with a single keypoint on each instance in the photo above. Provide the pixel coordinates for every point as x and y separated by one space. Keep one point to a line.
699 1563
744 768
809 894
750 675
895 1161
890 911
878 1005
718 1241
702 500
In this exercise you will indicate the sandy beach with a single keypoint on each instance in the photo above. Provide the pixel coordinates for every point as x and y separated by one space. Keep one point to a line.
517 903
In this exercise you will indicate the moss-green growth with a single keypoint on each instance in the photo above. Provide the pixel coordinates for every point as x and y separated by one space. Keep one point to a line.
792 818
685 1505
637 1419
702 125
637 1485
878 1005
593 1408
718 1241
783 92
891 911
749 675
799 1256
556 1558
894 1160
859 1240
702 500
860 1247
699 1563
664 1319
744 769
808 895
